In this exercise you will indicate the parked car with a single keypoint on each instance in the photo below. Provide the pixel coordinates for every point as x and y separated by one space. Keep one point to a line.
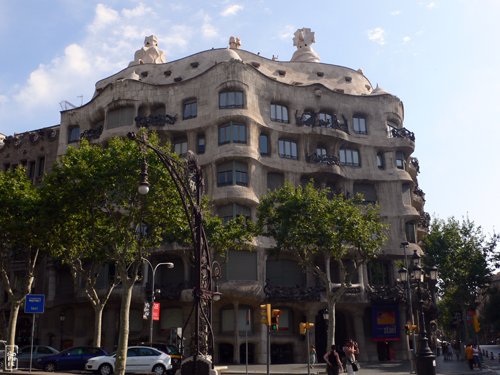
171 350
73 358
140 359
39 351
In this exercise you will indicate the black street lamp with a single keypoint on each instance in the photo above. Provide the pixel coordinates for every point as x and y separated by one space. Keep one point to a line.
187 177
426 361
62 318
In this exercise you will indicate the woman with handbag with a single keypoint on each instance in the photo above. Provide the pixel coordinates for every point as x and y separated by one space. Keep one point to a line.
351 350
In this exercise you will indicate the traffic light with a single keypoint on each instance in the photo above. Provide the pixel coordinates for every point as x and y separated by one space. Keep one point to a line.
407 329
475 323
275 320
265 314
304 327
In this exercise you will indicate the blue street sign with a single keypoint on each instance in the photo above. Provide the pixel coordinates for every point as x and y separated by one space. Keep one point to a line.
34 304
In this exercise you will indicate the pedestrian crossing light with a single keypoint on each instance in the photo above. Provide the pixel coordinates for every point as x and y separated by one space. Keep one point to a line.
275 320
265 314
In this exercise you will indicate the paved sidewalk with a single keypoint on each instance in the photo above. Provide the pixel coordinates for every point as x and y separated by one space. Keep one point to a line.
375 368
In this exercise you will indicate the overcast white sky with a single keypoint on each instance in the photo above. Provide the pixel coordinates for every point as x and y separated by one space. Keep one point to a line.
441 58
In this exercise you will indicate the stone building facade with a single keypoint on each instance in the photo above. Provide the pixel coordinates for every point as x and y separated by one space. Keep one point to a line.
253 123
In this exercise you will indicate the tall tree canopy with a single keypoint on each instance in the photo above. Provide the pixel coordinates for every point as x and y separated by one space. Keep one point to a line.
466 258
102 217
23 235
316 228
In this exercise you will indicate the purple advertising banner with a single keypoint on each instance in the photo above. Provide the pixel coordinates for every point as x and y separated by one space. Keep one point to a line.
385 323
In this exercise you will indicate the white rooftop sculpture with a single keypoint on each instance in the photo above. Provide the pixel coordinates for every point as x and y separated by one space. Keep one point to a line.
150 53
302 40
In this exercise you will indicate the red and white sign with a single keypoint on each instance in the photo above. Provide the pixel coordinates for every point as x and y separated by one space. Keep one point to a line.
156 311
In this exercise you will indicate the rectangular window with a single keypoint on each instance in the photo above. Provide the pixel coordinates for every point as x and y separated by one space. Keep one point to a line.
325 119
359 125
190 109
279 113
181 147
264 144
380 160
73 134
349 157
41 166
232 173
200 145
400 160
287 149
230 211
231 99
123 116
232 132
275 180
410 232
31 169
320 151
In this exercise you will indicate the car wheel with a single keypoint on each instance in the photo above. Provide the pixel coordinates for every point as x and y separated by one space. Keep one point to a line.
105 369
50 367
158 370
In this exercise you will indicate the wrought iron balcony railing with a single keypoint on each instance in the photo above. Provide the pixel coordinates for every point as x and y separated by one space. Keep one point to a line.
314 119
402 133
323 159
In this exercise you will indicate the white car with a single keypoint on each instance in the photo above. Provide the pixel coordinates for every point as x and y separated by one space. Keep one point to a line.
140 359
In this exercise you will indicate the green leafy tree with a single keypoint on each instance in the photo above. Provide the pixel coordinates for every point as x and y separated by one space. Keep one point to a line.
465 257
23 235
317 229
103 218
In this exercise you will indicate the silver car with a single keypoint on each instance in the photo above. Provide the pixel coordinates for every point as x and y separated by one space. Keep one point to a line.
140 359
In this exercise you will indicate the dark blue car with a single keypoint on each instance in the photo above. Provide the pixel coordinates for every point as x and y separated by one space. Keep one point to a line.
69 359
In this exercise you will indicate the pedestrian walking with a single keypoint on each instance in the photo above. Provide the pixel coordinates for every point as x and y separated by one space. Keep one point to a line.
469 355
351 350
333 362
312 356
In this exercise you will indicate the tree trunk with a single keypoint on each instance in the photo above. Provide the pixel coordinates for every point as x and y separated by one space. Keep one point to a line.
331 323
14 312
98 309
121 351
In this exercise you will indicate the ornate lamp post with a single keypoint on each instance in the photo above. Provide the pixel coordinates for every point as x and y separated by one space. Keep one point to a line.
188 181
152 301
426 361
403 276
